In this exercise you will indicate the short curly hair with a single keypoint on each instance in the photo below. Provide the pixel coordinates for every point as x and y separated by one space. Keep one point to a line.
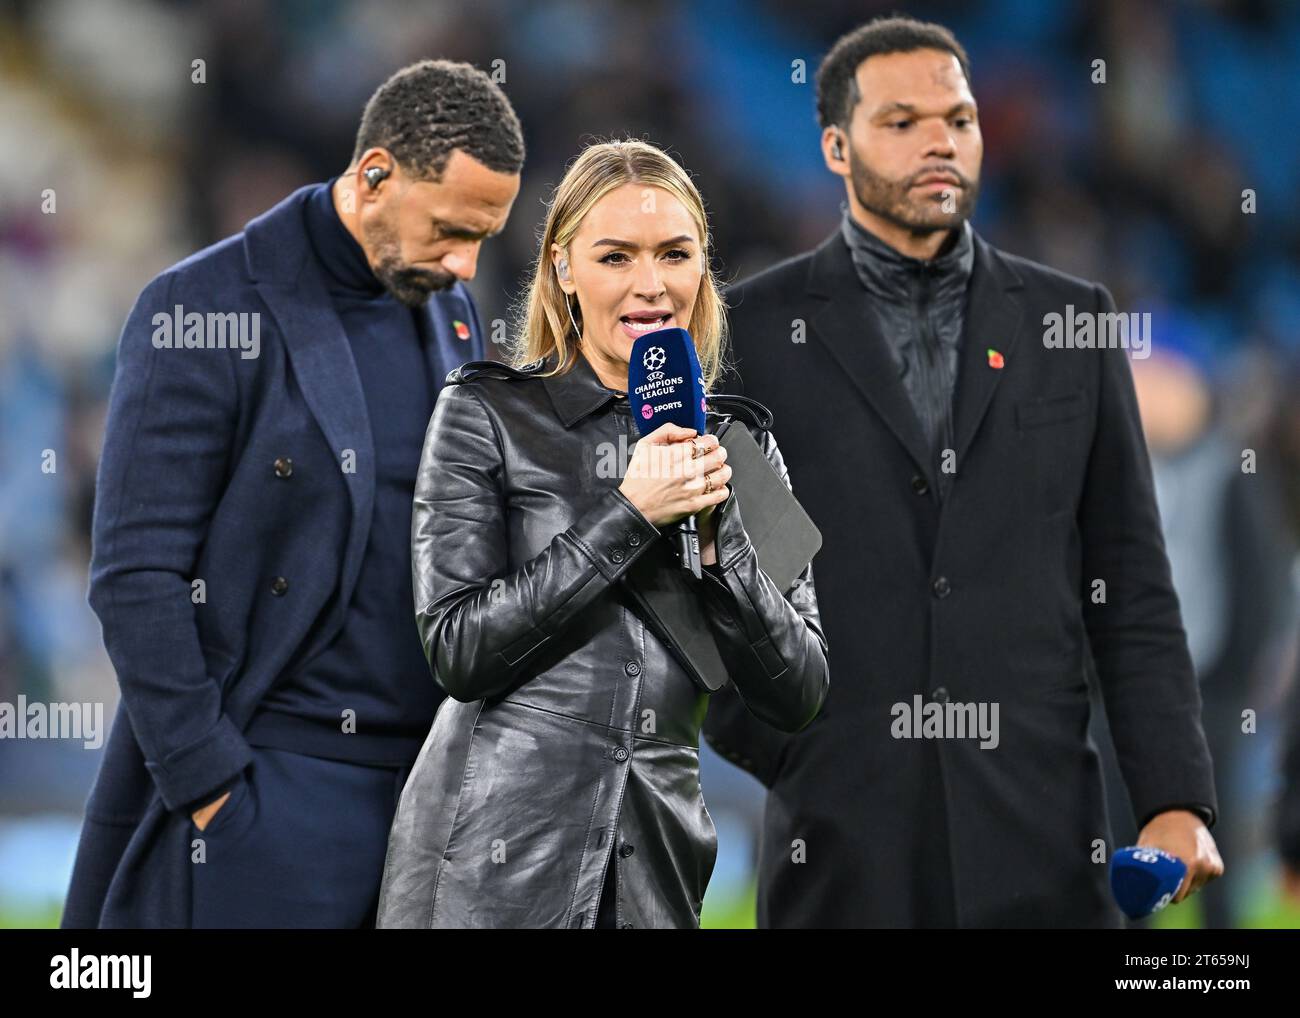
426 111
837 83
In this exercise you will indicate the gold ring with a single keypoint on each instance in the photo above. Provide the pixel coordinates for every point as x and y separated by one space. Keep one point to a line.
708 484
695 450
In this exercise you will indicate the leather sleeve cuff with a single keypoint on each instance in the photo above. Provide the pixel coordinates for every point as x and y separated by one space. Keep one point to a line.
614 535
193 771
713 587
730 541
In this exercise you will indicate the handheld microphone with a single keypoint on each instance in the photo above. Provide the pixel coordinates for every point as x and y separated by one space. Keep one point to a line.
1144 880
665 385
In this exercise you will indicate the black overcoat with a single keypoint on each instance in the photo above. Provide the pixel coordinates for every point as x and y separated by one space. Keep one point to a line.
989 597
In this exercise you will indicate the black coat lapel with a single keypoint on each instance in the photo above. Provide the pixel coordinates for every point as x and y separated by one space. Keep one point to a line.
994 316
849 329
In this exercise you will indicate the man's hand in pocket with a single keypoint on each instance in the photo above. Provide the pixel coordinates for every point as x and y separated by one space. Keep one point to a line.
204 814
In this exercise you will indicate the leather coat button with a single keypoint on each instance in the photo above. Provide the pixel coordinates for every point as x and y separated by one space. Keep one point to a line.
942 588
632 668
634 539
283 467
625 850
616 554
920 485
621 754
279 585
628 926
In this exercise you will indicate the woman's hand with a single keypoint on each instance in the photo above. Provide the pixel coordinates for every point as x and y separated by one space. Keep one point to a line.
666 484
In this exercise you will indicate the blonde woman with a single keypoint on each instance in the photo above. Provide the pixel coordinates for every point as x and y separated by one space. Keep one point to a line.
559 785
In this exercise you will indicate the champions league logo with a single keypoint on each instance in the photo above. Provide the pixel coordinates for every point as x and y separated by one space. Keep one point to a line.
654 359
657 384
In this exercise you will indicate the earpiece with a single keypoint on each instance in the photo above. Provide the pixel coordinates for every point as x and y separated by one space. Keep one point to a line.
374 175
563 269
837 150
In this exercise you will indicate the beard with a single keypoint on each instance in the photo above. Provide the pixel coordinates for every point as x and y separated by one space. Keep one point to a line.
895 202
406 283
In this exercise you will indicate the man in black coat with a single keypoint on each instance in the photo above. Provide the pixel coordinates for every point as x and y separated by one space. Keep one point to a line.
961 424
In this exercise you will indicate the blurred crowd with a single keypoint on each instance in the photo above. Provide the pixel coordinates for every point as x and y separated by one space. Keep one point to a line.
1147 145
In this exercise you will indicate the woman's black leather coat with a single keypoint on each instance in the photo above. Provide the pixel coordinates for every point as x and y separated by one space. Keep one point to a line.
570 738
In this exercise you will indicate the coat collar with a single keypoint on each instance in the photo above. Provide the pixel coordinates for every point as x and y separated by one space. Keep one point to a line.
850 332
892 275
578 393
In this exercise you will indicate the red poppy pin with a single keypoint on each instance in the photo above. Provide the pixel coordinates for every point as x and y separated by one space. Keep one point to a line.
462 330
995 359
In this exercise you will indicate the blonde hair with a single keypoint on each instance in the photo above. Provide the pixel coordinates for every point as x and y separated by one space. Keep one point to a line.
545 327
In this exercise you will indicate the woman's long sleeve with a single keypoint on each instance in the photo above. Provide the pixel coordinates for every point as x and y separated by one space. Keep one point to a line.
480 622
773 646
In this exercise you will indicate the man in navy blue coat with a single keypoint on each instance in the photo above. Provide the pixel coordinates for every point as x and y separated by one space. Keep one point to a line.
251 563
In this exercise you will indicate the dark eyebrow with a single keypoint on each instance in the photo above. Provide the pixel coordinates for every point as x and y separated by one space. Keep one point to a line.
609 242
465 232
909 108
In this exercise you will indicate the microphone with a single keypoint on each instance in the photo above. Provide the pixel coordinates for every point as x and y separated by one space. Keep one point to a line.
1144 880
665 384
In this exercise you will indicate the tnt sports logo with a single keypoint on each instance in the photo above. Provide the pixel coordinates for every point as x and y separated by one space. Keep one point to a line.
654 358
646 411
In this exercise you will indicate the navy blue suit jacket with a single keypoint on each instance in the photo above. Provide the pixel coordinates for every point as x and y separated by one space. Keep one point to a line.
188 490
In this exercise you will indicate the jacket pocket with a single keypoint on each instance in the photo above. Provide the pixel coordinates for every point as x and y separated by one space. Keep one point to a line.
1035 413
239 795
